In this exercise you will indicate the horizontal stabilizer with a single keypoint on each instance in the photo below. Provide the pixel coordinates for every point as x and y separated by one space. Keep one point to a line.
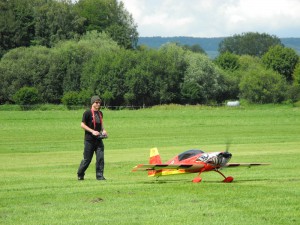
246 164
145 167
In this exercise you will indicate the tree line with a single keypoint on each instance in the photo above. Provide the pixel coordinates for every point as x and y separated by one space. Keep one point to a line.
46 22
55 68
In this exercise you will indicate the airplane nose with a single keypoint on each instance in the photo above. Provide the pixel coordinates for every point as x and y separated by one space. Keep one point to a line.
226 154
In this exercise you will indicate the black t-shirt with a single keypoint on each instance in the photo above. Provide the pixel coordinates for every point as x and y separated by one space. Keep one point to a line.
88 119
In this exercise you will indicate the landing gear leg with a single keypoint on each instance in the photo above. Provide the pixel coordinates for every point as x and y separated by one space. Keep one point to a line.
227 179
197 179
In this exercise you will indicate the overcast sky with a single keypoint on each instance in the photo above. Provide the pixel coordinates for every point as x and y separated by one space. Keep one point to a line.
215 18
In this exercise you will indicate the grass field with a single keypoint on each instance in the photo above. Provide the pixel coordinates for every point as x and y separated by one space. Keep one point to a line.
40 152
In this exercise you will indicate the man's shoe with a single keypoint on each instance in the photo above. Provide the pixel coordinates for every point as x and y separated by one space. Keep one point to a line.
101 178
80 178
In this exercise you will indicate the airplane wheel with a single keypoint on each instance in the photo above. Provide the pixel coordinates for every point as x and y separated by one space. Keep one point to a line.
197 180
228 180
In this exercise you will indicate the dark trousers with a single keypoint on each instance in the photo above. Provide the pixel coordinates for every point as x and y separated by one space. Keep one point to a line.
89 148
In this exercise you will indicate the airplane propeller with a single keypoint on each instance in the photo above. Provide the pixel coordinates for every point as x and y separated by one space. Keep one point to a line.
226 153
227 146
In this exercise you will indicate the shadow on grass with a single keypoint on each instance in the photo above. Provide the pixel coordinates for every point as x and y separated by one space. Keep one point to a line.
216 181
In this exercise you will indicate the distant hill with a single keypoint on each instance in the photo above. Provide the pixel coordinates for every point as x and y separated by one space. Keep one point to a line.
209 45
292 43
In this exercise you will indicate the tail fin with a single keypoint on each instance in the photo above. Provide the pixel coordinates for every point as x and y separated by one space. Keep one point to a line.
154 159
154 156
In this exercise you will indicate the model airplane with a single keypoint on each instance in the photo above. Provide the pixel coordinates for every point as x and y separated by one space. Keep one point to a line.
191 161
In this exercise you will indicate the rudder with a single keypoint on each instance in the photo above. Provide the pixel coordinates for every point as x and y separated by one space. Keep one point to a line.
154 156
154 159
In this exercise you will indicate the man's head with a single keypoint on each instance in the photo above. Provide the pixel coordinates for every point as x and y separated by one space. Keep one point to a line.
95 98
96 102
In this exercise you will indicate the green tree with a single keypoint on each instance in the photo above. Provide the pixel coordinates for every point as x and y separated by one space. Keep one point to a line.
229 86
123 29
263 86
105 72
70 62
142 78
296 74
194 48
55 21
227 61
129 98
254 44
294 91
282 60
85 97
37 22
111 17
140 84
107 96
22 67
169 70
58 70
247 62
202 81
16 24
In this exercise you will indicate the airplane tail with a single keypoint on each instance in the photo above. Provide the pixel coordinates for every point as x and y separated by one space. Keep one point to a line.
154 159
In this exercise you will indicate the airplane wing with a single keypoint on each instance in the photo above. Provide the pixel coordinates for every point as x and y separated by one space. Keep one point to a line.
246 164
145 167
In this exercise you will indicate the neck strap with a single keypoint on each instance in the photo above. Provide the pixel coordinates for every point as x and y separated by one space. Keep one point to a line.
94 119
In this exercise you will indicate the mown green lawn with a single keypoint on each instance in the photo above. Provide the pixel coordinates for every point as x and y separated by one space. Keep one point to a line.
40 152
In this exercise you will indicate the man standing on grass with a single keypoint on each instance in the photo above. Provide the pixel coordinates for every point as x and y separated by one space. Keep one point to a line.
92 123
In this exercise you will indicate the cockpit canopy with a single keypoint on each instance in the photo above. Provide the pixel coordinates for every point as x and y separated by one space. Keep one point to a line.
188 154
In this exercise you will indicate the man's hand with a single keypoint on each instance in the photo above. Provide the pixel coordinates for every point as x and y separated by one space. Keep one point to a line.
95 133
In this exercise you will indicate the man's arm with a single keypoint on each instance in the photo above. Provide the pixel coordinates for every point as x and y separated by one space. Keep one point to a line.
88 129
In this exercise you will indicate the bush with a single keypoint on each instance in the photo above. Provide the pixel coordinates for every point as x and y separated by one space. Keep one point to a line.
263 86
294 92
296 74
71 99
26 97
84 98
